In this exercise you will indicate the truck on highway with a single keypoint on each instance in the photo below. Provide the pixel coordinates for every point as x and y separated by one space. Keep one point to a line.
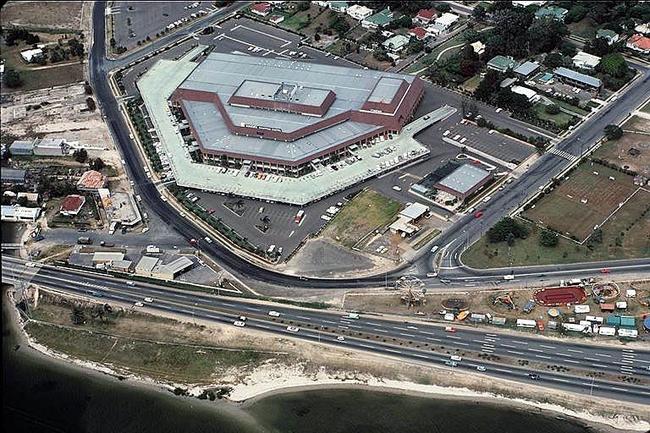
299 216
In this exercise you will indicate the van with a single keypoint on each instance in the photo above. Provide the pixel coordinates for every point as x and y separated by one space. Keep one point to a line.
208 240
432 274
130 283
486 199
354 316
456 358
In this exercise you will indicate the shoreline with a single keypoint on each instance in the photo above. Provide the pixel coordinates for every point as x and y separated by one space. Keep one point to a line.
267 385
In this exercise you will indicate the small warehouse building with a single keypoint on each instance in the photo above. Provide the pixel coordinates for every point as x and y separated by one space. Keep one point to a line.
22 148
145 265
172 269
107 257
464 181
20 213
404 223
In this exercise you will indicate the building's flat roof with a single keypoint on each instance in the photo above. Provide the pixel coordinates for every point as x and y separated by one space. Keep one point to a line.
22 144
92 179
577 76
228 74
501 61
12 174
464 178
274 91
108 256
414 210
582 57
526 68
124 264
146 264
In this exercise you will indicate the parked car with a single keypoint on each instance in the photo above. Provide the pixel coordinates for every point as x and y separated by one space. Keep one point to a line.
450 329
239 323
293 329
274 314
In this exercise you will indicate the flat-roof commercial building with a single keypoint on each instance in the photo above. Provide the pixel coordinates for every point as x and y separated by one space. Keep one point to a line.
585 60
12 175
526 69
19 213
283 116
22 148
151 267
464 181
577 79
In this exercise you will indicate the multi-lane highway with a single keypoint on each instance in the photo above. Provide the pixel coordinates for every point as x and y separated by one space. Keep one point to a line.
500 354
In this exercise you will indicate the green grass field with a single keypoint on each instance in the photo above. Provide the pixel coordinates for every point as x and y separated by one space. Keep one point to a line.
367 211
561 119
646 107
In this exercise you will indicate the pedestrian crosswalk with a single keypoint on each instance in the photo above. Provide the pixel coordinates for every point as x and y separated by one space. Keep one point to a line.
563 154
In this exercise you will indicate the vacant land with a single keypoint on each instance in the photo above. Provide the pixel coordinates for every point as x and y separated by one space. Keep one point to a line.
367 212
138 343
632 152
583 201
43 15
646 107
585 28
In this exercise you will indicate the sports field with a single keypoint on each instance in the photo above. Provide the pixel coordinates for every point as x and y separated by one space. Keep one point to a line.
584 201
631 152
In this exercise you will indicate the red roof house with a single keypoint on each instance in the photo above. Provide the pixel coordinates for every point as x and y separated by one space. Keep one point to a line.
640 43
418 32
425 16
72 204
262 9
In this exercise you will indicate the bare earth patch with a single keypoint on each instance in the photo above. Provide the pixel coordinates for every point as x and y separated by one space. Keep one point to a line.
49 15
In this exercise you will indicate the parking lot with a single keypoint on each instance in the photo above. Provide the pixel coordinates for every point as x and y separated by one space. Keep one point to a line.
134 21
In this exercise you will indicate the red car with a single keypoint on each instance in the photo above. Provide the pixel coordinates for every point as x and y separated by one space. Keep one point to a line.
211 211
450 329
604 271
478 214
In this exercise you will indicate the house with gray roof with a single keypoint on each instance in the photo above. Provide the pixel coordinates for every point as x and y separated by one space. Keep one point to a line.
577 79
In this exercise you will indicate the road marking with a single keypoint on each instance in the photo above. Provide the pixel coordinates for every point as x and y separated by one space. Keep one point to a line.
453 336
625 361
588 358
574 350
508 345
462 344
603 355
380 330
401 329
491 335
520 342
304 317
546 347
535 350
407 335
514 352
571 361
433 339
542 356
489 345
394 351
486 350
420 356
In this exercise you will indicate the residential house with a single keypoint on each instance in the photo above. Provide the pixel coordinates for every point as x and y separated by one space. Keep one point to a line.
577 79
585 60
379 20
639 43
554 12
446 20
276 19
359 12
419 33
396 44
530 94
644 29
92 181
610 35
72 204
425 16
31 55
501 63
261 9
524 3
339 6
478 47
526 69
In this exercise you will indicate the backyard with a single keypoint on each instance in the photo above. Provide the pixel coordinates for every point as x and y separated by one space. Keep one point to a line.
366 212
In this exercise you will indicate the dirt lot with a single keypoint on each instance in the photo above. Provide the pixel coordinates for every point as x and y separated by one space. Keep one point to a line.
563 209
366 212
62 117
48 15
618 152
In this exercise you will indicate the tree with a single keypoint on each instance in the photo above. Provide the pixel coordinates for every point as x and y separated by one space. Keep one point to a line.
545 35
479 13
339 24
568 49
443 7
414 47
97 164
303 5
88 89
488 87
12 79
507 229
576 13
403 21
317 37
548 239
613 64
553 60
613 132
91 104
78 316
80 155
552 109
598 47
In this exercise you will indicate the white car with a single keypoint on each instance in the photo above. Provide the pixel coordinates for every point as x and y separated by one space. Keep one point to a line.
293 329
242 318
480 368
139 304
274 314
148 300
498 110
397 188
340 338
239 323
